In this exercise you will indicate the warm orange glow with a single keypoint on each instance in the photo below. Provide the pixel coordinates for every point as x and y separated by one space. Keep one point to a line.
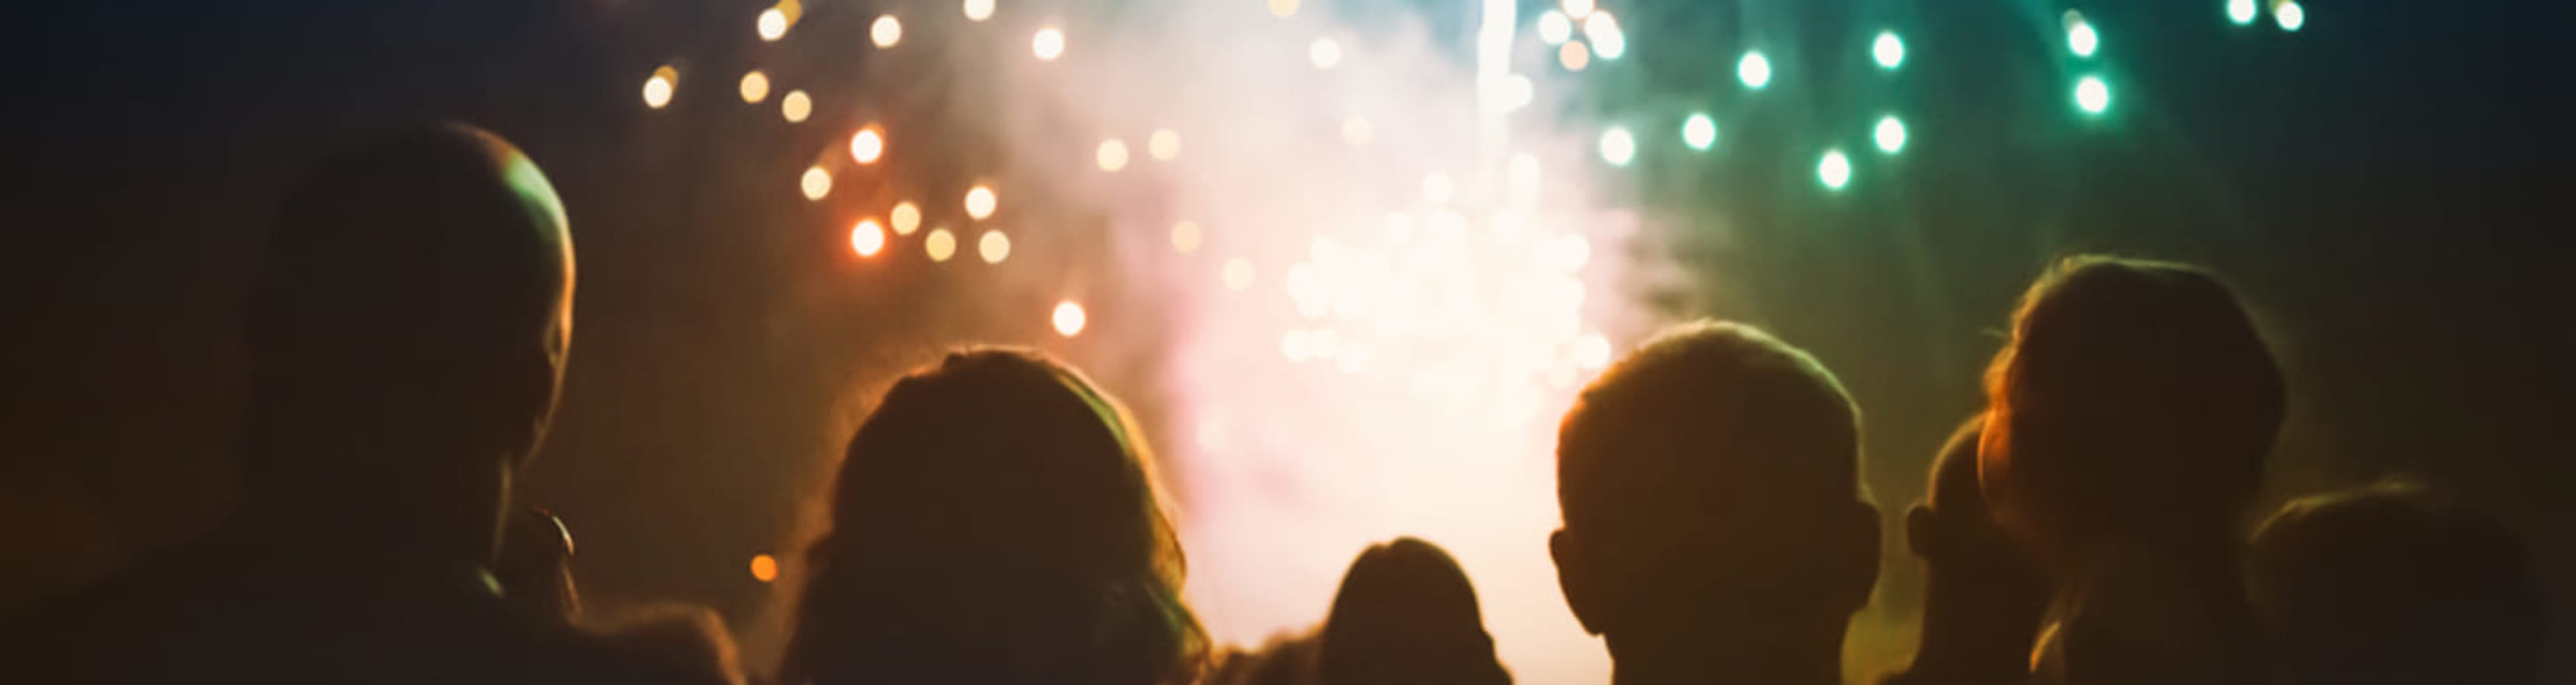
1069 318
1185 236
868 238
886 31
755 87
1283 8
980 202
1238 273
979 10
994 247
1048 44
1574 56
772 24
868 145
1112 155
940 244
1165 144
817 183
764 568
657 90
906 218
796 106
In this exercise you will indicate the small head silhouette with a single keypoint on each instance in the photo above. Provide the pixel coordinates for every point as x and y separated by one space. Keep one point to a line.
1709 484
535 567
996 521
2392 586
1984 594
407 335
2128 384
1406 614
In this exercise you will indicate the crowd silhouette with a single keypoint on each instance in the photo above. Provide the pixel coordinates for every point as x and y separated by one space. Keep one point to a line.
997 518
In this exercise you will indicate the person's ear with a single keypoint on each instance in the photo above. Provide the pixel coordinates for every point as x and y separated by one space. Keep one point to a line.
1575 576
1922 534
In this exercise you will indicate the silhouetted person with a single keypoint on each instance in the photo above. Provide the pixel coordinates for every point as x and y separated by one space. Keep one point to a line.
2129 419
1406 614
2388 586
1715 530
996 521
1983 595
1285 659
534 568
407 335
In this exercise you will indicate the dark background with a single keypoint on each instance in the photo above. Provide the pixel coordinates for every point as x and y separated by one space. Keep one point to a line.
2382 186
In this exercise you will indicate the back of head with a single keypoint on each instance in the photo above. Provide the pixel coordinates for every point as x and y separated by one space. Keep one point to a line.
408 328
1714 466
996 521
1406 614
2134 405
1984 594
2390 586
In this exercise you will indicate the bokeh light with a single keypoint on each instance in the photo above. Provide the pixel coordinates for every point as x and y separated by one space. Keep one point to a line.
1554 28
1834 170
1111 155
1069 318
993 247
2289 15
1438 188
1606 38
1185 236
795 106
905 217
867 238
978 10
1579 8
1164 145
1618 146
885 31
772 24
1283 8
2080 37
816 183
1698 131
1325 53
2240 12
755 87
764 568
1574 56
868 145
939 244
1048 44
1356 131
658 89
1237 273
1592 352
2092 95
980 202
1887 50
1889 134
1754 70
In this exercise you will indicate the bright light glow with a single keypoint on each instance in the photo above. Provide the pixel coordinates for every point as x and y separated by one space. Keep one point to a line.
993 247
868 145
1185 236
1888 50
2080 38
905 217
1890 134
2092 94
979 10
1237 273
1574 56
980 202
1048 44
1515 93
1069 318
1356 131
885 31
764 568
1112 155
1283 8
1754 70
1699 132
867 238
755 87
1592 352
1438 189
2289 15
1164 145
1324 52
2240 12
1603 31
772 24
816 183
795 106
1578 8
1618 146
1554 28
657 90
940 244
1834 170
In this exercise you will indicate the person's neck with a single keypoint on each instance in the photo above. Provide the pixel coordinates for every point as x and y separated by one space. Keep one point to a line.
1966 640
1717 653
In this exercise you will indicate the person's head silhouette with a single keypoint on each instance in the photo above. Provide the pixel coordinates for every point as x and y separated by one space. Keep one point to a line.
1714 525
996 521
2128 383
2391 586
1983 593
407 336
1406 614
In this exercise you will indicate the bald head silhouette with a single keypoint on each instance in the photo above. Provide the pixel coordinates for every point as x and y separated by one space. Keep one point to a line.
407 335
